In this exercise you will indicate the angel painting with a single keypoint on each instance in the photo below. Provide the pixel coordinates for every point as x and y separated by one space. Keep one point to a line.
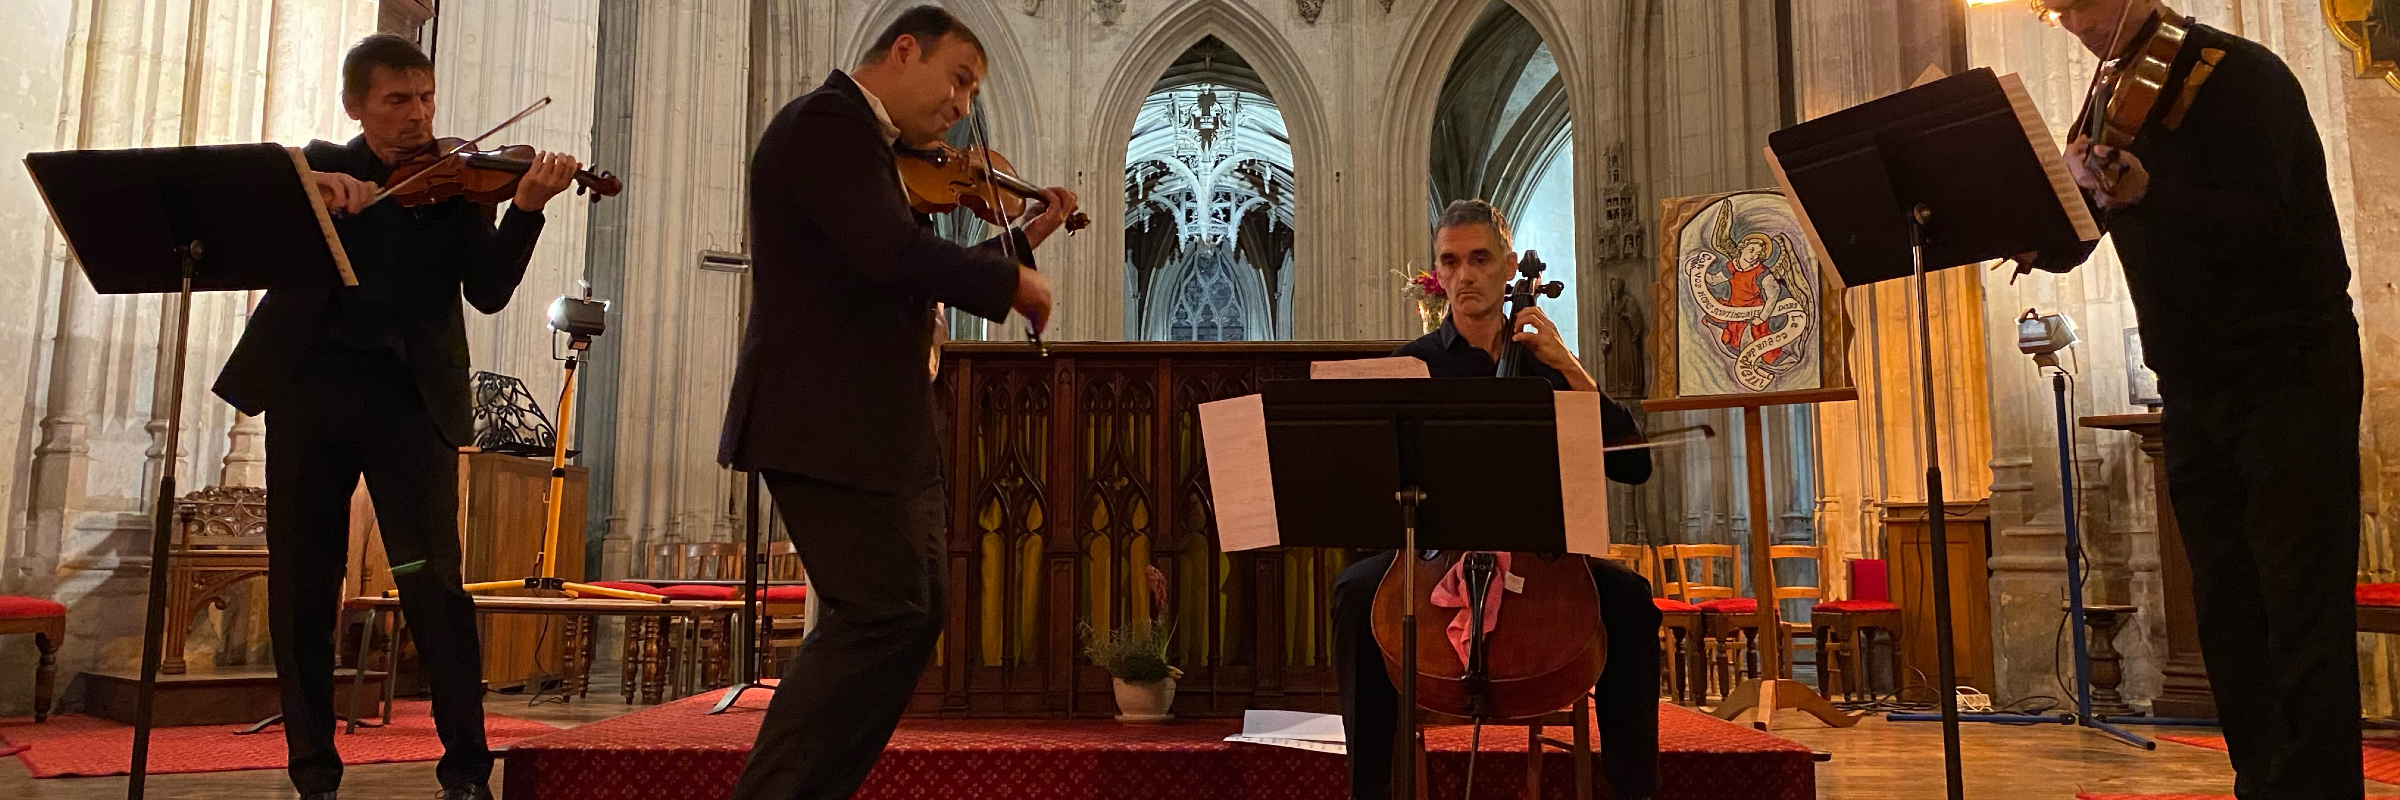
1748 302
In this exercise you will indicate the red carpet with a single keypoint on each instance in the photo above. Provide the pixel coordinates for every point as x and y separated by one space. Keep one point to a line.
2090 796
76 745
673 752
2380 757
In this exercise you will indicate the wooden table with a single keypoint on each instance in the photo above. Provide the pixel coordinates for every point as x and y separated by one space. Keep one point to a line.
2184 690
577 645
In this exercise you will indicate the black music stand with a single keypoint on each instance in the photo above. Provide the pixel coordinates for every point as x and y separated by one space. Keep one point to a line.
1951 172
179 220
749 652
1413 464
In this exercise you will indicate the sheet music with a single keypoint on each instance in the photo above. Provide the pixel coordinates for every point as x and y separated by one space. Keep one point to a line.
1393 367
2045 147
333 241
1582 472
1298 730
1241 482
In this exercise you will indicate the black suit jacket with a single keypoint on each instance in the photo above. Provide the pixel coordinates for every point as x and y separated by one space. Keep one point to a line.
413 264
831 383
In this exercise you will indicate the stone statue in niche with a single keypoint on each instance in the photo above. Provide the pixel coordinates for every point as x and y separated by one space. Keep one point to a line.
1311 9
1621 351
1108 10
1031 7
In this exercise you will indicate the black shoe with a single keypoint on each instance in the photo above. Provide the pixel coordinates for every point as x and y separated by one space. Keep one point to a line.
319 796
475 792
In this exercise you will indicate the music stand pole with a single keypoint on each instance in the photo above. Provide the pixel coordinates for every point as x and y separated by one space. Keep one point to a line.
752 655
2083 655
1404 784
162 526
1953 773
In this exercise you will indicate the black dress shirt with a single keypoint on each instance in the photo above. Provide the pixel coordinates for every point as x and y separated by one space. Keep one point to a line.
1448 355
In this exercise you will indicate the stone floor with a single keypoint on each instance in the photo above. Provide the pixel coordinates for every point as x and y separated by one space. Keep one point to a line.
1877 760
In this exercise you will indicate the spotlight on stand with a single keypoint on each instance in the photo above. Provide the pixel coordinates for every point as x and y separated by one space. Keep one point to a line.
2043 335
580 317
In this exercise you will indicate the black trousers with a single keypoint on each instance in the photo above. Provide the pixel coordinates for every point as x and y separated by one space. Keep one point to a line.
1625 699
875 570
2262 469
355 413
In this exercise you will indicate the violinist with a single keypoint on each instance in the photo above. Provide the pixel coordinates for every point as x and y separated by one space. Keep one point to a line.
831 400
372 379
1474 259
2222 217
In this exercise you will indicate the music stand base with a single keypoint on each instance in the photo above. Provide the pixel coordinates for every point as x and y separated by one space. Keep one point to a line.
1768 695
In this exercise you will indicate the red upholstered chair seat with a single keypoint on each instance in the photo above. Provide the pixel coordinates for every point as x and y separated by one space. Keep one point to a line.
29 608
691 592
1731 605
1854 606
2379 594
1672 606
626 586
784 594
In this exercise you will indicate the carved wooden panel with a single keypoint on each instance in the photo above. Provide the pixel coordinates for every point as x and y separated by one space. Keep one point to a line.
1070 477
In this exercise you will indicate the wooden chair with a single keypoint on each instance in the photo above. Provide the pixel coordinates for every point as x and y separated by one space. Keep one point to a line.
47 621
1679 621
1577 718
1735 620
783 609
1695 583
1845 628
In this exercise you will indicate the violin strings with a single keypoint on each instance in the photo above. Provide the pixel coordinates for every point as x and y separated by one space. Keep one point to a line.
462 147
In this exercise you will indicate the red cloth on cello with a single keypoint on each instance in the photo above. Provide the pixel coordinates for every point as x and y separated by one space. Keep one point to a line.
1451 592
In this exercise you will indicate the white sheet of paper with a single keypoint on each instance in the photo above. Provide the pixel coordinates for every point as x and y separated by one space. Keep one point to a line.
1298 730
1241 485
1393 367
1582 472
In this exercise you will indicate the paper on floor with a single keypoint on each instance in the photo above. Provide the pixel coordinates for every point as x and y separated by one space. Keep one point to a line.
1299 730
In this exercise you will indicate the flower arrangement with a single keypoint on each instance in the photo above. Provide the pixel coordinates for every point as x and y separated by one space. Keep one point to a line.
1134 653
1425 289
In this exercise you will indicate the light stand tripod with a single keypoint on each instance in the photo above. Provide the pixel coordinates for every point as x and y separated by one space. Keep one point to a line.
750 652
2043 337
580 320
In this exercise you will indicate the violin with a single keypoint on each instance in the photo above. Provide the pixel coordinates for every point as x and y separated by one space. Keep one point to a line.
942 178
444 169
1551 650
2125 92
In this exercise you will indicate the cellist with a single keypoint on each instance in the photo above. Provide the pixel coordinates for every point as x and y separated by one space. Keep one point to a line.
2221 214
1474 258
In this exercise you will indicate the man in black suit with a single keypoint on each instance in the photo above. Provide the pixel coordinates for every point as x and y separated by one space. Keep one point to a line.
372 379
832 402
2222 217
1475 261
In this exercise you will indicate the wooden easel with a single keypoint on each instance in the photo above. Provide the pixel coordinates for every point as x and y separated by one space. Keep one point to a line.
1765 694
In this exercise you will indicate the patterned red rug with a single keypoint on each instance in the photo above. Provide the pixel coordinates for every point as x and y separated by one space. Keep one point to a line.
2380 757
80 746
673 751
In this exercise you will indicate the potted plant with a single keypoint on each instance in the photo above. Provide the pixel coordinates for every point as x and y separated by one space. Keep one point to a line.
1136 659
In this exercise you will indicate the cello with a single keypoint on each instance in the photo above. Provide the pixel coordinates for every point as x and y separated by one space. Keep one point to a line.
1537 663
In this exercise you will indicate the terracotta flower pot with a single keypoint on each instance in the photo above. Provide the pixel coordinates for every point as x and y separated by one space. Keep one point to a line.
1144 702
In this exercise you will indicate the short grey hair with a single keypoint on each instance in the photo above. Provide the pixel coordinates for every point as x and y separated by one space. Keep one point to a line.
1474 212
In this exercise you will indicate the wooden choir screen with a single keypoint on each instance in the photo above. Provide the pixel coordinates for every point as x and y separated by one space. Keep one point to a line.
1067 476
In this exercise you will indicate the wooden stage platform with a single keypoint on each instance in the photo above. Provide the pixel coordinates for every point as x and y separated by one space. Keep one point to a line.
674 751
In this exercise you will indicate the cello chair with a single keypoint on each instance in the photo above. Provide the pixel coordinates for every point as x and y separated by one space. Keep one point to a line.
1577 718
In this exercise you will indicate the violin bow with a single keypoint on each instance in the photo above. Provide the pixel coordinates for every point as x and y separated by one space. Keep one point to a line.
991 191
463 147
1672 437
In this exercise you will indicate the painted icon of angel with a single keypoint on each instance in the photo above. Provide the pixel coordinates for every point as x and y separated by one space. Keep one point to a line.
1760 270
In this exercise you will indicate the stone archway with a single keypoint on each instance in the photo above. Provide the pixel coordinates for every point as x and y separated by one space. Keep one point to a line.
1102 147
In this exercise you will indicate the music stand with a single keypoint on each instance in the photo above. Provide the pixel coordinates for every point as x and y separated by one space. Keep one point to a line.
1953 171
749 652
182 220
1406 464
